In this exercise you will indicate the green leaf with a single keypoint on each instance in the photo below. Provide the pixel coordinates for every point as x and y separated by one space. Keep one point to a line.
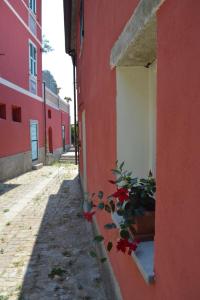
109 246
150 174
93 253
121 166
103 259
110 197
112 205
101 205
120 212
100 195
110 226
119 179
129 174
98 238
89 205
124 234
107 208
115 171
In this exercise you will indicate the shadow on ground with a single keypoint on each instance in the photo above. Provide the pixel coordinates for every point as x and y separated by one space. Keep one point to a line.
6 187
60 267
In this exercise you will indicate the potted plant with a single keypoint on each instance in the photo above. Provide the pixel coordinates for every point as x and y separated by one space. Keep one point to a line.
138 206
134 201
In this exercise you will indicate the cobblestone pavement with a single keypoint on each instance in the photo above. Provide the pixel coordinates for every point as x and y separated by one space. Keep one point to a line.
44 241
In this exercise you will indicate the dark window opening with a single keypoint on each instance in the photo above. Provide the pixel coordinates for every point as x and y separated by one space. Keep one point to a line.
16 114
50 137
2 111
49 113
81 20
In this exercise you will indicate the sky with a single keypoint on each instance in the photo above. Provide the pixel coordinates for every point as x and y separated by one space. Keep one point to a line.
57 61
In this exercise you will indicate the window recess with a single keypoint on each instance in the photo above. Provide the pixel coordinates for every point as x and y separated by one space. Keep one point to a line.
16 114
2 111
32 68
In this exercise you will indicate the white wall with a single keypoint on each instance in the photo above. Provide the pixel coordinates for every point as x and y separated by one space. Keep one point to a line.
152 117
136 118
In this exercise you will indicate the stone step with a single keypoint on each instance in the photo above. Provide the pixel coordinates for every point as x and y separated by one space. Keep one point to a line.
37 166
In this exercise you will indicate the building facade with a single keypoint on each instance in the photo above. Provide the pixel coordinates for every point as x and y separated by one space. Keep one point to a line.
138 90
22 111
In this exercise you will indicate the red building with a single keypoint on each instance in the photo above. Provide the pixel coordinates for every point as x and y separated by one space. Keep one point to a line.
22 106
137 66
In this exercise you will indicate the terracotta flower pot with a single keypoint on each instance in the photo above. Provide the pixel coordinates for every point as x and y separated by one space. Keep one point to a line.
144 226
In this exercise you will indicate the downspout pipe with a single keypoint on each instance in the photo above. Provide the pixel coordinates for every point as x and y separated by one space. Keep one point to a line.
45 123
72 54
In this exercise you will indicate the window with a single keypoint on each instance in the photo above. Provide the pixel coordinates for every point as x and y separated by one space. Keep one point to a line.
16 114
32 59
32 24
81 21
49 113
32 68
2 111
32 5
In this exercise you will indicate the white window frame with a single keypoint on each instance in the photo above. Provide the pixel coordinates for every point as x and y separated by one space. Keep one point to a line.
38 140
33 6
32 60
32 64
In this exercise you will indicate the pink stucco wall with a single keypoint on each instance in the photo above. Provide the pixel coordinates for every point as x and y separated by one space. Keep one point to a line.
177 242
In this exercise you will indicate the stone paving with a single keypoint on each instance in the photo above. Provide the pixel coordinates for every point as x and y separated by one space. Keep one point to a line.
44 240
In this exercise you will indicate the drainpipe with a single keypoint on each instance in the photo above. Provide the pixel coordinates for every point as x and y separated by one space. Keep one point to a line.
45 122
75 125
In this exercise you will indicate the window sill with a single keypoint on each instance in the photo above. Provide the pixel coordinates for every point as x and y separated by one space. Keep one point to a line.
143 256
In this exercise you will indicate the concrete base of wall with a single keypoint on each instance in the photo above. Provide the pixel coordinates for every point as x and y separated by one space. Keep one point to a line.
14 165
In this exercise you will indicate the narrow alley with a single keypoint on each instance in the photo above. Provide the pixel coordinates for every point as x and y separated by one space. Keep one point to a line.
44 240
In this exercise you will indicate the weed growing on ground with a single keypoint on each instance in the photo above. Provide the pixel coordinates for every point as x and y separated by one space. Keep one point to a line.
7 224
18 264
57 271
6 210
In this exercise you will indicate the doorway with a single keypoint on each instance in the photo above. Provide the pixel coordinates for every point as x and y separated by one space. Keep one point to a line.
50 139
63 137
34 140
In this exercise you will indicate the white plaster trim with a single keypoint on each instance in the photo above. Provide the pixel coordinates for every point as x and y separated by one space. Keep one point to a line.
59 99
49 103
19 89
22 21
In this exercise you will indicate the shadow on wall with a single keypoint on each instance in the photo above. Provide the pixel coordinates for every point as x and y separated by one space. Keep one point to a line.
6 187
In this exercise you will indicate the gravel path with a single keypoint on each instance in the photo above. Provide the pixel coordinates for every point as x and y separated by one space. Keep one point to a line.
44 240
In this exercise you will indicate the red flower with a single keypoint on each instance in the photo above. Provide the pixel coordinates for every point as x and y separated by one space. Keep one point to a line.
122 244
121 194
88 216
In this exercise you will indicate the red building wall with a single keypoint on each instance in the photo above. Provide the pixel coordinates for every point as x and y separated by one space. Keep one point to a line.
15 137
58 118
14 63
177 264
14 89
178 161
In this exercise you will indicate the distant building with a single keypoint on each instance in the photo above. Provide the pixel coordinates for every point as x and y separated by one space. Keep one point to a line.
22 118
50 81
